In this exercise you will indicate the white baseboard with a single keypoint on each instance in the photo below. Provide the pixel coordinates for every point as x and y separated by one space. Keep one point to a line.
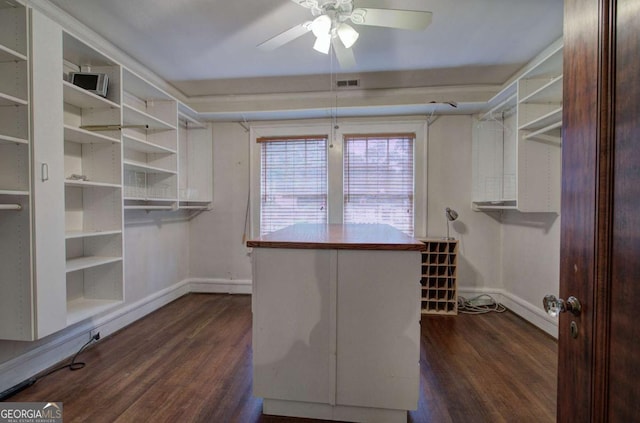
522 308
220 286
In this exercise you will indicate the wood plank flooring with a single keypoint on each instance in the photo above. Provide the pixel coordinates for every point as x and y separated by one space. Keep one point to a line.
191 362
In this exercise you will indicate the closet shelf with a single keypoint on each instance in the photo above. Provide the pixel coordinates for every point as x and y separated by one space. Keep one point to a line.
543 121
82 263
550 134
84 99
9 100
143 146
89 184
13 192
6 139
143 167
90 234
190 122
10 55
82 136
506 105
83 308
133 116
551 92
144 207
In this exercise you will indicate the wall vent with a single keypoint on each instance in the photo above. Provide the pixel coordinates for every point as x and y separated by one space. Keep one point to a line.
348 83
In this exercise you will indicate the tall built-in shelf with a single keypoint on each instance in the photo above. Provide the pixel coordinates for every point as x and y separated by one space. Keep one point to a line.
195 189
63 261
15 174
93 185
150 138
517 141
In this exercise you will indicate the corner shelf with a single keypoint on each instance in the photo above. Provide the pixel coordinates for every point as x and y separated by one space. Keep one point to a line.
439 294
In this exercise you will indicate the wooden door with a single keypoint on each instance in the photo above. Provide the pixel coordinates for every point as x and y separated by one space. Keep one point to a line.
600 235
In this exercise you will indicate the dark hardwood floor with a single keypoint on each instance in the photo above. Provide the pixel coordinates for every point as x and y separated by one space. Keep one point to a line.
191 362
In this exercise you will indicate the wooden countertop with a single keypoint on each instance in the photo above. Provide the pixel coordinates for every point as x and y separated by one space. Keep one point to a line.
338 237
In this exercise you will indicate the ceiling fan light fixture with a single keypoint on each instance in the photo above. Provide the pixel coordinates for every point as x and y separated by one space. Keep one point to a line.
323 43
321 26
347 35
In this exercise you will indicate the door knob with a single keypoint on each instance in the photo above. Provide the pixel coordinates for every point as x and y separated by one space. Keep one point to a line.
554 305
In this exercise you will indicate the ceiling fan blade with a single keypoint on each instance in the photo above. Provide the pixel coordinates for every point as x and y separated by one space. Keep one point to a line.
392 18
285 37
345 56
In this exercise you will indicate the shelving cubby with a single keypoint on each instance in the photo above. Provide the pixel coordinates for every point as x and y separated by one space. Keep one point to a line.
150 119
195 189
93 185
439 293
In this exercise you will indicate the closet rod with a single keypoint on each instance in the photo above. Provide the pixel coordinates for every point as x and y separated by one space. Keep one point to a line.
10 207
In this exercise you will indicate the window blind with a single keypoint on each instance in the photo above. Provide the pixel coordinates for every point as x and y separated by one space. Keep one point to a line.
379 180
293 182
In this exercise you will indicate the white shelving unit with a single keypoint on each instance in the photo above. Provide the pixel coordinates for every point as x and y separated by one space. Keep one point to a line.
195 191
517 141
15 192
62 264
150 138
93 186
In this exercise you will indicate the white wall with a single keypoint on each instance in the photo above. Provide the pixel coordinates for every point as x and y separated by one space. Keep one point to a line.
216 236
531 255
217 247
449 185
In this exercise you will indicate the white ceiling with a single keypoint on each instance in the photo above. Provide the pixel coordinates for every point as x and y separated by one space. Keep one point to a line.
209 46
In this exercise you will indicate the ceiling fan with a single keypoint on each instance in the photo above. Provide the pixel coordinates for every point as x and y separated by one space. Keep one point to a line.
330 26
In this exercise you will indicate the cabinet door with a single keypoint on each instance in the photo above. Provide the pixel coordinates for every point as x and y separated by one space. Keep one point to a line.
292 334
48 176
378 337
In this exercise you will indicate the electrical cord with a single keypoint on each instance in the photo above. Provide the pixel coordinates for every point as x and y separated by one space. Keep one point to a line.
474 306
73 365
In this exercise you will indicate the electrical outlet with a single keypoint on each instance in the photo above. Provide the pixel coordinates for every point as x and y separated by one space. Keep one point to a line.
95 334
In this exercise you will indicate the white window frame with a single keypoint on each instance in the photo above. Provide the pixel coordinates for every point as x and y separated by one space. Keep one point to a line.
335 160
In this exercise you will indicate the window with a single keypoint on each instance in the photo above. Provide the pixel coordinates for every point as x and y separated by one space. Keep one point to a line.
362 170
379 180
293 181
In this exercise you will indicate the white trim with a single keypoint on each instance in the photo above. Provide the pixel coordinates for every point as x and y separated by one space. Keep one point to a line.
534 315
219 286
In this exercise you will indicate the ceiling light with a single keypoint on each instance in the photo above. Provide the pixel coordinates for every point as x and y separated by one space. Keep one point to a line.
321 26
323 43
347 35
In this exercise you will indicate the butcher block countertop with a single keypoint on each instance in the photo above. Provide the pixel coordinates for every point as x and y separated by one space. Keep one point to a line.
338 237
